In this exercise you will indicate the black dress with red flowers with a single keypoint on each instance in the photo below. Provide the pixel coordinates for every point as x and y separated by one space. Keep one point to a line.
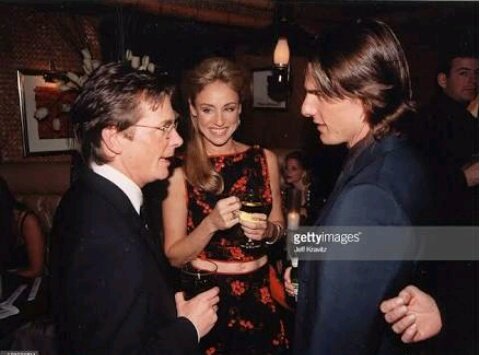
249 321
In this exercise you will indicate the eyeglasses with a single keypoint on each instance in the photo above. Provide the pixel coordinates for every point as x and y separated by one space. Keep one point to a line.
165 129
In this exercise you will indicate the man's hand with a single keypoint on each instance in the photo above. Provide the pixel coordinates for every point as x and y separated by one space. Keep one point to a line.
201 310
413 314
473 107
471 174
287 282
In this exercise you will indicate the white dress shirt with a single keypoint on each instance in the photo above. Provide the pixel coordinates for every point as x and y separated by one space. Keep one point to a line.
124 183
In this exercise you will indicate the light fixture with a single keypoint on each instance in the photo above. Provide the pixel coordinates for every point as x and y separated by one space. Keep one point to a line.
279 81
281 70
281 54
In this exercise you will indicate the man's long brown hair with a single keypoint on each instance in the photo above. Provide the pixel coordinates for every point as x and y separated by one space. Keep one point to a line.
364 60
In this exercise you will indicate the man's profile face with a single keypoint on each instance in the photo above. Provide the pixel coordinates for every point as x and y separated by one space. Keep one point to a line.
338 120
148 153
461 83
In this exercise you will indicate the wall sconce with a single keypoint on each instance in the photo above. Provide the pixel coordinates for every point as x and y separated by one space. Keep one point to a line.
281 61
281 54
279 81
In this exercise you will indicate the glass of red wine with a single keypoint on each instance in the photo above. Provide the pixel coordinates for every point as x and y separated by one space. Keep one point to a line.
197 278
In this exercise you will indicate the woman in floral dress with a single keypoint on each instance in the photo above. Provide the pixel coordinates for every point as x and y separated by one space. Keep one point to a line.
201 215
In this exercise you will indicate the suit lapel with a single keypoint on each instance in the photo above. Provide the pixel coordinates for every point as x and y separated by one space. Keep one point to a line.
350 169
367 156
152 245
122 204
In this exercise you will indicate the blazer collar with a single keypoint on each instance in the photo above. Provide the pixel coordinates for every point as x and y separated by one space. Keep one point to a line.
359 159
110 192
369 152
121 202
132 190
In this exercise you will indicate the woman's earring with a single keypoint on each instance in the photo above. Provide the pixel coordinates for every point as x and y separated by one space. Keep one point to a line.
238 123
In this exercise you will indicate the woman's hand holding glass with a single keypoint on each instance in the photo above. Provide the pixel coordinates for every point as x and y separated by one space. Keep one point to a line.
225 213
254 225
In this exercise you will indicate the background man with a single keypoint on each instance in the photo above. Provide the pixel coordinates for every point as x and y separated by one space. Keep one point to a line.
110 290
450 140
450 144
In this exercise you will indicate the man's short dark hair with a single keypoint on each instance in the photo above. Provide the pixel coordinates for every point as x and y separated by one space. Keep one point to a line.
463 49
112 97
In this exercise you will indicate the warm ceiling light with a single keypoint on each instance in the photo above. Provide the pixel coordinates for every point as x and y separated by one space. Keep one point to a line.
281 54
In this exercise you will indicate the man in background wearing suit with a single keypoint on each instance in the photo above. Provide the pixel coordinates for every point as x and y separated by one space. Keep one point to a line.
450 138
450 144
110 289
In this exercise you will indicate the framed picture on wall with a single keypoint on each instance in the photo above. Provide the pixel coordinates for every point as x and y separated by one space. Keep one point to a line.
45 113
261 98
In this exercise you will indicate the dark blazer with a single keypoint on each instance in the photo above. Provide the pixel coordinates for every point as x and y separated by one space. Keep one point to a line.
110 292
337 310
450 142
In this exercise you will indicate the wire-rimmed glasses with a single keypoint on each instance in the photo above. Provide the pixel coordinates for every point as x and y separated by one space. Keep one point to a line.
165 129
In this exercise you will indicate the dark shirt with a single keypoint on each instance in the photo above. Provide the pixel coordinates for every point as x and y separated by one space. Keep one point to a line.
450 142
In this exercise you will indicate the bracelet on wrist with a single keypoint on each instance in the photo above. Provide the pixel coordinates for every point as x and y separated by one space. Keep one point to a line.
276 234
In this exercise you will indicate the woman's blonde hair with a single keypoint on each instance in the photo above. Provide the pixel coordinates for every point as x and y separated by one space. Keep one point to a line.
198 168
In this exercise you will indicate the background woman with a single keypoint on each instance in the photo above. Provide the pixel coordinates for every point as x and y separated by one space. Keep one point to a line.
200 213
22 236
296 175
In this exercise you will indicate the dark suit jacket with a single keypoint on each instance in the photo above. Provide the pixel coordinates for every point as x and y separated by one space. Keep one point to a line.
450 142
110 293
337 310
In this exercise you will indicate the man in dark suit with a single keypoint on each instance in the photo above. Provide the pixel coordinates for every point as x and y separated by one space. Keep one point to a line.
450 138
110 288
450 144
358 92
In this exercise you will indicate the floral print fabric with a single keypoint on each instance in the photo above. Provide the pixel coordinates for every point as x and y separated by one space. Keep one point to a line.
248 317
241 172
